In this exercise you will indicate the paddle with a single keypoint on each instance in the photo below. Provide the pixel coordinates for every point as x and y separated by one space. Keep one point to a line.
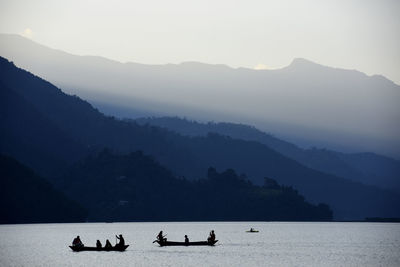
158 240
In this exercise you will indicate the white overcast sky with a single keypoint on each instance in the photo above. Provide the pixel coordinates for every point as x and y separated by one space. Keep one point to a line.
351 34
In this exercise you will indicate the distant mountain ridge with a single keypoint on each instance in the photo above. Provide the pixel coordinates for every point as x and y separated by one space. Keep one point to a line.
185 156
367 168
306 103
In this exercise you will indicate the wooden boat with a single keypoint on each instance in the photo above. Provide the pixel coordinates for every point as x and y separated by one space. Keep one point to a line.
196 243
83 248
252 231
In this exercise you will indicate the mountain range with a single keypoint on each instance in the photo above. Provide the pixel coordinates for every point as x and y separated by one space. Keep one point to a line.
134 187
366 168
49 131
305 103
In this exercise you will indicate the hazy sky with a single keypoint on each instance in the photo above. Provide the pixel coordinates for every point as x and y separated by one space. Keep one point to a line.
363 35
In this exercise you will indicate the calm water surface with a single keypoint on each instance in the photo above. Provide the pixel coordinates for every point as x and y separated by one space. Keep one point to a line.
277 244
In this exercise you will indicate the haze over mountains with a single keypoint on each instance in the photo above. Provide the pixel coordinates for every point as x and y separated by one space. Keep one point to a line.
44 128
307 103
366 168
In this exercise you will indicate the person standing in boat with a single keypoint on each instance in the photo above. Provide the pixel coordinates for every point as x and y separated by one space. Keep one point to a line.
211 238
186 240
77 242
121 241
98 244
160 237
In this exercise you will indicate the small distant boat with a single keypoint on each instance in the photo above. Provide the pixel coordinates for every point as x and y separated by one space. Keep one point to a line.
83 248
197 243
252 231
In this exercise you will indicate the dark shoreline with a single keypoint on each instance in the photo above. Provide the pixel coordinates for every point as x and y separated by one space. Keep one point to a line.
367 220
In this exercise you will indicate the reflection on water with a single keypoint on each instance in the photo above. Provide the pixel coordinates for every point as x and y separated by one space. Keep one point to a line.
277 244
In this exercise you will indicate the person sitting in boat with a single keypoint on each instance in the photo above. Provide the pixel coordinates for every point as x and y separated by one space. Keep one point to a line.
211 238
251 230
98 244
121 241
77 242
186 239
160 237
108 244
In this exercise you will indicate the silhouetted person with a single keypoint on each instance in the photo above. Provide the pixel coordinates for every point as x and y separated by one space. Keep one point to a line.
251 230
186 240
77 242
160 237
98 244
211 238
121 241
108 244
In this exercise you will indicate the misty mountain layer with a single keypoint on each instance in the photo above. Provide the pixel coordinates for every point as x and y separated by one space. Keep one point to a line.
367 168
306 103
75 129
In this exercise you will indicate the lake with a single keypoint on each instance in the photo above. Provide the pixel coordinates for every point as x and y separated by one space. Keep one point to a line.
277 244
